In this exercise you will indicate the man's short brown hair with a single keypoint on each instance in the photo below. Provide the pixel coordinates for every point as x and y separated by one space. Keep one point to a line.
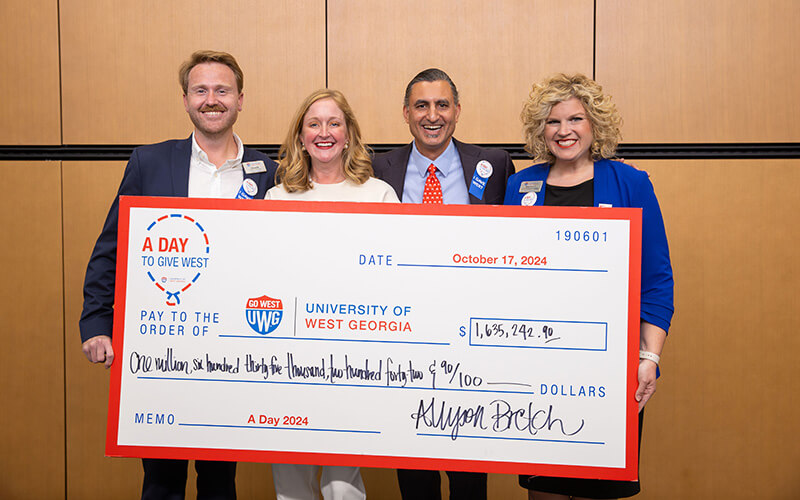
209 56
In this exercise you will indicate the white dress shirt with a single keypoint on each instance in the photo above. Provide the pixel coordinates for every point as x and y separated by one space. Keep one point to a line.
449 171
208 181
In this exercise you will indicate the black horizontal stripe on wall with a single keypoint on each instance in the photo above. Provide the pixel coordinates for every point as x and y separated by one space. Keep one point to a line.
654 151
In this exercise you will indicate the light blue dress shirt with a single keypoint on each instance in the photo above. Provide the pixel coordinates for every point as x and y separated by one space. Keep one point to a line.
449 172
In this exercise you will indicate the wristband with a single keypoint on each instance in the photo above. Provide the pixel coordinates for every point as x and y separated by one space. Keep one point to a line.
655 358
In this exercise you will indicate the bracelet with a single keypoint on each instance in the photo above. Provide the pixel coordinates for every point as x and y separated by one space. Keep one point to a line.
655 358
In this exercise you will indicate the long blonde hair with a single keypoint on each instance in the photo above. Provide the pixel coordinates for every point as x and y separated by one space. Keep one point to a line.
294 163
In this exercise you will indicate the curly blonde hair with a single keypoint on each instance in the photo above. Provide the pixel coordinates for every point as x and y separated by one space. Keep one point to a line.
601 111
294 163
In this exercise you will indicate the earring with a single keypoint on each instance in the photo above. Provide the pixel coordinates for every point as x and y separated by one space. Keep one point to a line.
302 146
346 145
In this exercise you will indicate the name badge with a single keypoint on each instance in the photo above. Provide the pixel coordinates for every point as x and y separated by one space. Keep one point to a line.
483 170
530 187
248 189
254 167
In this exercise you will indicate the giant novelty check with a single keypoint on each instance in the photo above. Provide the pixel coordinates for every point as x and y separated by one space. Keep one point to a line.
476 338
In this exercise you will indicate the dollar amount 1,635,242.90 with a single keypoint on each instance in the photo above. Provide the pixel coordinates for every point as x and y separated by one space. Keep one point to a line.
526 330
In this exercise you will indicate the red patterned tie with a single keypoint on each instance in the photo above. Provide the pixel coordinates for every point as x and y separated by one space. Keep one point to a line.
433 190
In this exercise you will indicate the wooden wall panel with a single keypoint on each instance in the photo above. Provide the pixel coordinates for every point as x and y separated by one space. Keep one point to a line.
713 71
680 71
382 483
89 188
720 423
120 64
493 51
522 164
29 111
31 326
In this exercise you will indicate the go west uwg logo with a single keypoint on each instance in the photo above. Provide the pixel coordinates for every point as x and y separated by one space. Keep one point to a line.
264 314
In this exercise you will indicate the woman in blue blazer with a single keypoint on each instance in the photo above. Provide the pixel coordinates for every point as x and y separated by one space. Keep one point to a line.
573 129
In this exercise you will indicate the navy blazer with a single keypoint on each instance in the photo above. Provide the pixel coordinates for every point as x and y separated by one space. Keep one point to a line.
154 170
619 185
391 167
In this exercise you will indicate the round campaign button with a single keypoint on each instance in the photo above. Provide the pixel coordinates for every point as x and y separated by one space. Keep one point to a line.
529 199
250 187
484 169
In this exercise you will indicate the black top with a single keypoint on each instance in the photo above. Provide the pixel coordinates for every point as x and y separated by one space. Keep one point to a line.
581 195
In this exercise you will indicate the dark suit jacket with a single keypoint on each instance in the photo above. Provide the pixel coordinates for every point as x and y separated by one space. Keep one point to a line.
391 167
154 170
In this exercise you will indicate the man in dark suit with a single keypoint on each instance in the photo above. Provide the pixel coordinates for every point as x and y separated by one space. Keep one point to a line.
465 173
435 168
212 162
